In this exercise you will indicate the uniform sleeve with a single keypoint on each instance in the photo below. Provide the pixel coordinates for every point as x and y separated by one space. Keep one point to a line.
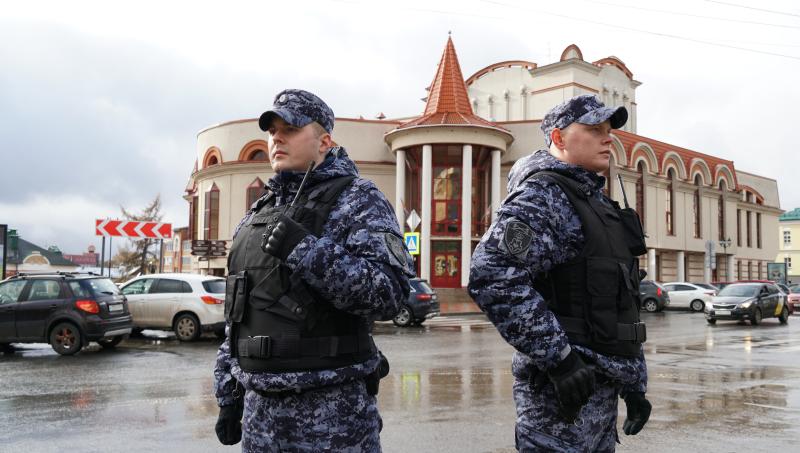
367 272
640 385
224 382
536 228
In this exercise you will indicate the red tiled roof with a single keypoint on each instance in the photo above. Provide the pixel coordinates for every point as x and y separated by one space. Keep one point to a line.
629 141
448 103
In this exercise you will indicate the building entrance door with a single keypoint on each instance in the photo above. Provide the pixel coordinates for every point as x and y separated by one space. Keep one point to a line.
446 264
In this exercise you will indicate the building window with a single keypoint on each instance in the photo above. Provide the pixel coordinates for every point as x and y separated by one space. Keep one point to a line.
187 246
193 218
258 155
481 192
738 269
640 193
254 191
789 262
739 227
696 207
211 214
758 229
749 226
721 211
759 270
446 199
787 238
670 204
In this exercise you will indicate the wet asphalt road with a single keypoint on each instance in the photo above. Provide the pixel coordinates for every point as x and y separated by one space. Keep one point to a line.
727 388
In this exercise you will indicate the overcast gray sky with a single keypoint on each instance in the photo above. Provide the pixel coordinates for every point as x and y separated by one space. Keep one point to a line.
100 103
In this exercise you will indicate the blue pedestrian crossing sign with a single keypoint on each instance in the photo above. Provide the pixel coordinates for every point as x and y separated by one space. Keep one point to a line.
412 242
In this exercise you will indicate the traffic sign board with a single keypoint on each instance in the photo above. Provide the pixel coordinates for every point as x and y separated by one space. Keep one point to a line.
132 229
412 243
413 220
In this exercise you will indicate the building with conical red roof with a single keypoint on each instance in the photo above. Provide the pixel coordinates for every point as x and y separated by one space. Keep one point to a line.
447 167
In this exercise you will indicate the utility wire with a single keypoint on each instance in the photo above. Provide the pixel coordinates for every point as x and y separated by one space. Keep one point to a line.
772 11
699 16
664 35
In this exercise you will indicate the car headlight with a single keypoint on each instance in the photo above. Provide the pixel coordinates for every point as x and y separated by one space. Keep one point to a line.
746 304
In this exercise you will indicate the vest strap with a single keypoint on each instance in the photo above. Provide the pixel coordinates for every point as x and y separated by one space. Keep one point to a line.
636 332
265 347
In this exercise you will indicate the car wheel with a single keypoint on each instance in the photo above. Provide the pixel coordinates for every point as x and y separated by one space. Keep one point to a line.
784 317
697 305
404 317
711 321
650 305
186 327
65 338
110 343
756 319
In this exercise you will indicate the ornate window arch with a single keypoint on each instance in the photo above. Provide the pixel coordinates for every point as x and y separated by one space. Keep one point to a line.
696 208
212 157
255 150
670 202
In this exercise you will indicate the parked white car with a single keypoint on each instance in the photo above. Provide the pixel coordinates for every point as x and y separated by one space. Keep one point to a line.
689 295
187 304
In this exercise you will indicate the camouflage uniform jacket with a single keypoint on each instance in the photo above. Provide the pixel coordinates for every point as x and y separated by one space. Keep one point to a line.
502 283
351 265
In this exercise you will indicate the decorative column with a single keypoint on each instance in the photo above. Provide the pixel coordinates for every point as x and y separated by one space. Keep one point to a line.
681 259
466 214
729 268
495 182
425 240
651 264
400 187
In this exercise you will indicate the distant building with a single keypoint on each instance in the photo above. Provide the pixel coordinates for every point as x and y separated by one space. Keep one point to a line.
789 244
450 165
29 257
88 259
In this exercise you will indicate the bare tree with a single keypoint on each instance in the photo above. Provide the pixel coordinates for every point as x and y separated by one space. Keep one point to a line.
139 252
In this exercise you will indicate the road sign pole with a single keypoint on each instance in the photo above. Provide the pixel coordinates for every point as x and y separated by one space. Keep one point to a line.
102 255
110 253
160 256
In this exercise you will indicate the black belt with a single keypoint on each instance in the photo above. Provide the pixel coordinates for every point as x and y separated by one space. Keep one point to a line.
264 347
635 332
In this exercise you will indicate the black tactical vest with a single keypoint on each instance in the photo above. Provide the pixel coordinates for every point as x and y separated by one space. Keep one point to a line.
595 296
278 323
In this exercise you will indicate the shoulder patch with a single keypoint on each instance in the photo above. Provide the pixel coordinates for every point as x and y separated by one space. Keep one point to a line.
517 237
396 246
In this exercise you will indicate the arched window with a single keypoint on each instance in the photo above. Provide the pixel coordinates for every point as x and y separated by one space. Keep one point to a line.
213 156
640 194
211 213
721 211
259 155
696 206
670 202
255 191
254 151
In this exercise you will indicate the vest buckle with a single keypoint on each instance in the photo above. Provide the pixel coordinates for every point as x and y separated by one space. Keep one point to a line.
259 347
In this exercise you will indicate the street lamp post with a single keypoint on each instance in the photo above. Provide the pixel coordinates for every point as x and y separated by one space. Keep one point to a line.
725 243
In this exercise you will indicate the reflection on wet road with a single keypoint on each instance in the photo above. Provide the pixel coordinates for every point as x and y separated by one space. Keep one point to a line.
716 388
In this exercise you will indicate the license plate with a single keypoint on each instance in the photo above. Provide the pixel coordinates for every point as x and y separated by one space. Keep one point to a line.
117 307
722 312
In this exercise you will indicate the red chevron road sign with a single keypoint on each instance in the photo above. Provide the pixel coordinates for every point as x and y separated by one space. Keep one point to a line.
132 229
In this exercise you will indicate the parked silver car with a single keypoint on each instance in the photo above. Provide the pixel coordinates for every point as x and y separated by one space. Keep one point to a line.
188 304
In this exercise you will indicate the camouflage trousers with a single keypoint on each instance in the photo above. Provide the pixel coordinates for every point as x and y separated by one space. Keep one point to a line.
540 428
342 418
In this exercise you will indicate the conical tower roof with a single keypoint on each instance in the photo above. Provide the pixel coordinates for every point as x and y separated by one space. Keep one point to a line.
448 103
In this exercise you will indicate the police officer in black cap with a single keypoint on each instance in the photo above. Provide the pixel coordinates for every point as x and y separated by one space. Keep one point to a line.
313 263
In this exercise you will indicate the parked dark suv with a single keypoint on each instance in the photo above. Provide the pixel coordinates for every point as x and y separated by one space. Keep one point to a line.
422 304
64 309
654 296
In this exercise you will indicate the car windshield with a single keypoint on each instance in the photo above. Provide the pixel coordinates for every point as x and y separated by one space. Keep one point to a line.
739 290
706 286
99 286
794 289
214 286
421 286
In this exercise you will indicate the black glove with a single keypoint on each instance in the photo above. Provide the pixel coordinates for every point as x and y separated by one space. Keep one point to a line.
638 413
229 423
574 384
285 237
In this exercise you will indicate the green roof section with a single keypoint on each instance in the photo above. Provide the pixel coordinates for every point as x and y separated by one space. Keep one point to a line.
790 215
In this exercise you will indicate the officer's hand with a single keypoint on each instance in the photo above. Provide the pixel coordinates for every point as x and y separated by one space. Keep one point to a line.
574 384
229 423
638 413
285 237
